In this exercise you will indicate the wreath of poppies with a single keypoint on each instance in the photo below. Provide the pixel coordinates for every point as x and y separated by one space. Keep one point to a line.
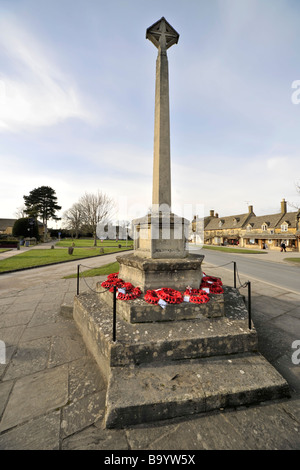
151 297
171 296
131 292
213 283
134 294
197 296
215 289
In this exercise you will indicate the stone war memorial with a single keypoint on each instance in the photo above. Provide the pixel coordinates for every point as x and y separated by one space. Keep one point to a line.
181 344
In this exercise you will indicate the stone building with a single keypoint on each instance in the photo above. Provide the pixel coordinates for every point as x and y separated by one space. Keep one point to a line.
226 230
248 230
270 231
6 226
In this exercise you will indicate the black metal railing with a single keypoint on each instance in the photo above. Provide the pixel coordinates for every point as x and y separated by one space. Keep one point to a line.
245 284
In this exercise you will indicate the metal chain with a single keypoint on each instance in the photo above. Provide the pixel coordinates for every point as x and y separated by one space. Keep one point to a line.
221 266
241 285
226 264
83 277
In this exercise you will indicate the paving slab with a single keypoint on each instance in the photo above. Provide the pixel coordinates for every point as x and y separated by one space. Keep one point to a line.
37 434
35 395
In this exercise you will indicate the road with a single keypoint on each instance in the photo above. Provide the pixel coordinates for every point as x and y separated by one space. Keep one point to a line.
268 267
279 274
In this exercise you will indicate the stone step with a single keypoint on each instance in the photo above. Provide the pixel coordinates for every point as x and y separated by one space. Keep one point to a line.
157 342
151 393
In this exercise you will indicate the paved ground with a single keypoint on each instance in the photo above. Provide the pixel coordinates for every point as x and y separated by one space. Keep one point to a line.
52 395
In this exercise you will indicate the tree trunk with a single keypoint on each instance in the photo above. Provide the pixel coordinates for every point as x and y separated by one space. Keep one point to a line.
45 231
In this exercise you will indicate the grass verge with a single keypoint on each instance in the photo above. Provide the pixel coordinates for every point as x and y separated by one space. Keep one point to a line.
89 242
101 271
44 257
293 260
233 250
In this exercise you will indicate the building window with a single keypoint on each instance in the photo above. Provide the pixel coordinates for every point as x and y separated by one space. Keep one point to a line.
284 228
264 227
249 227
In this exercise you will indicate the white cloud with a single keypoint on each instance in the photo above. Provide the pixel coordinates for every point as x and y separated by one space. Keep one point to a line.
278 163
34 92
261 182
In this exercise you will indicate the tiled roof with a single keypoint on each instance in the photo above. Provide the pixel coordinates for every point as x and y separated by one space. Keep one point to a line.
4 223
271 220
229 222
290 218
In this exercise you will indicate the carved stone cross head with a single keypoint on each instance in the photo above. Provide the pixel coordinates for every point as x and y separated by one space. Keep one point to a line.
162 34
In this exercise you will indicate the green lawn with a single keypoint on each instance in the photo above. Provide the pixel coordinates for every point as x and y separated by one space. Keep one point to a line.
293 260
4 249
102 271
41 257
85 242
228 249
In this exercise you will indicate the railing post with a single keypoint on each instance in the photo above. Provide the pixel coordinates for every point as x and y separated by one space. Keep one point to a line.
114 313
249 305
78 266
234 274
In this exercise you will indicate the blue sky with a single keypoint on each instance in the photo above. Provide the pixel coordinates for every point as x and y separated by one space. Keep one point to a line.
77 91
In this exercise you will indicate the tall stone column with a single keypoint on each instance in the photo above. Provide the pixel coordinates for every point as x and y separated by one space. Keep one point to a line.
163 36
161 254
161 156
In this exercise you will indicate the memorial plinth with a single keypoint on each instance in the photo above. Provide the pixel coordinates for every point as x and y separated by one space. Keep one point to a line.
161 236
148 273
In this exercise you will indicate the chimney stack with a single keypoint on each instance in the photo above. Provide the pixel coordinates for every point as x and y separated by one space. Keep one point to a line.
283 206
211 213
250 209
217 215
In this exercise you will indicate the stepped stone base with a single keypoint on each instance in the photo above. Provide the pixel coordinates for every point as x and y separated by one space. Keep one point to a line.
166 369
150 393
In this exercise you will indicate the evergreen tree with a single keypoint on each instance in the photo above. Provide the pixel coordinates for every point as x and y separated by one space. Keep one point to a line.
42 202
25 227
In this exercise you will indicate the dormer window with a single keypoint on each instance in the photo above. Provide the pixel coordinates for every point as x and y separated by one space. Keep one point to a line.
249 227
264 227
220 223
284 227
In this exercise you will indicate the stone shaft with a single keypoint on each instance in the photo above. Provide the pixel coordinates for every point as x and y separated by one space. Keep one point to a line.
161 158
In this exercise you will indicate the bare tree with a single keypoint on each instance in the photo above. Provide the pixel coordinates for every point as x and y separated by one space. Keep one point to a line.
293 204
73 220
95 208
20 212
